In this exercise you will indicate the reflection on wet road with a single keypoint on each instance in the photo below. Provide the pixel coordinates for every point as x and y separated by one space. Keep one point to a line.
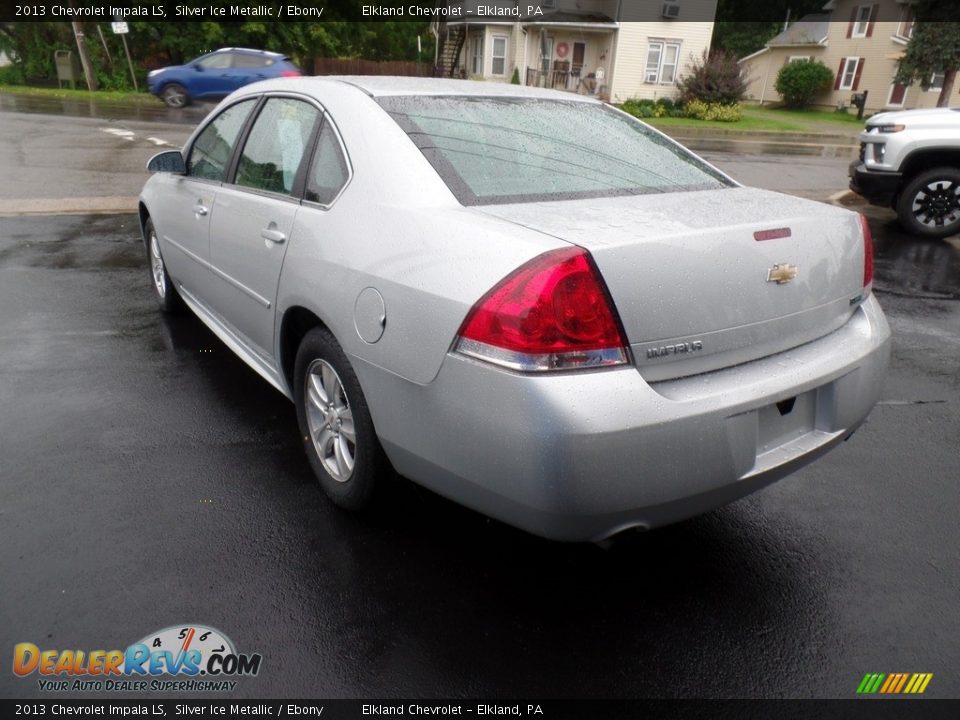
149 110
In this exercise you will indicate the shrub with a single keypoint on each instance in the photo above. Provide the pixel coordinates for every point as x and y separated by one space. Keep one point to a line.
722 112
715 78
515 78
799 82
647 108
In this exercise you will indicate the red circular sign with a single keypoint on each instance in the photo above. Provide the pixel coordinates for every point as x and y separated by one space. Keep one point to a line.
562 49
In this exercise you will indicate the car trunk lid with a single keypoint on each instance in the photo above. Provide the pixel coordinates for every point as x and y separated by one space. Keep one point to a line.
709 279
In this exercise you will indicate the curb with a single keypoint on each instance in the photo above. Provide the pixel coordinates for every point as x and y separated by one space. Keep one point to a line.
104 205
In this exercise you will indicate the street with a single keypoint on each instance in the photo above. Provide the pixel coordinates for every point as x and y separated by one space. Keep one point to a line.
149 478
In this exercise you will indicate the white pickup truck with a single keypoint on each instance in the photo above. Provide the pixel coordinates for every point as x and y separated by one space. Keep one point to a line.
910 161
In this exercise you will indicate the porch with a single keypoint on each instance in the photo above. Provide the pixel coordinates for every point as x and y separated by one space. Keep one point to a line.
574 59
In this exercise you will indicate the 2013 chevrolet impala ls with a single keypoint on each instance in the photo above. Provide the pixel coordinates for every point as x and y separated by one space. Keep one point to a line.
525 300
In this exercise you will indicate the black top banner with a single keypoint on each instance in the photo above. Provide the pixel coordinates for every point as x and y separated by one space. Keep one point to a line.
530 709
601 12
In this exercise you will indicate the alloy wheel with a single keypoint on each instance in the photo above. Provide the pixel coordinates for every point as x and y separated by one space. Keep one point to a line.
156 266
937 204
330 420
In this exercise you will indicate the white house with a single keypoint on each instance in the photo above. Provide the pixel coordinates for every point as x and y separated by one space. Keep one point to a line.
617 49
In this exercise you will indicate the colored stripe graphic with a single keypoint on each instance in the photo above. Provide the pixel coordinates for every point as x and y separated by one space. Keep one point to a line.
894 683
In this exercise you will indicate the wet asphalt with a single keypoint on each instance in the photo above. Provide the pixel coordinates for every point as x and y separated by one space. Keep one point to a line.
148 478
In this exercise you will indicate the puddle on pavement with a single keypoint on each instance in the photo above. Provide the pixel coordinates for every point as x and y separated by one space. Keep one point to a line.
912 266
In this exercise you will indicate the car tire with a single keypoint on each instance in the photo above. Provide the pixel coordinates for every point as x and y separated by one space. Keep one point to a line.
175 95
164 290
347 462
929 204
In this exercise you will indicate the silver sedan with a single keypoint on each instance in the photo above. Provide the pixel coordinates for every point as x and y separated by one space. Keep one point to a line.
525 300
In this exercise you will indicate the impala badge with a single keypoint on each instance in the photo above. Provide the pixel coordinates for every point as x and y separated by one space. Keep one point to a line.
782 273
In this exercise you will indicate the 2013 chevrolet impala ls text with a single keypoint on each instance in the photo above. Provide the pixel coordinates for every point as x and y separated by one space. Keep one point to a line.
525 300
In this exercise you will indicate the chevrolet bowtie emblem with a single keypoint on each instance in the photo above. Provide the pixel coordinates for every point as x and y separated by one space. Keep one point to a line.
782 273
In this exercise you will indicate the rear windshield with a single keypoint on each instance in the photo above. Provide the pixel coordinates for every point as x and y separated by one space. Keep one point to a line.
506 150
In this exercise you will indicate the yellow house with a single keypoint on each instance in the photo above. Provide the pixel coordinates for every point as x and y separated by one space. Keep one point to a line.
616 49
861 41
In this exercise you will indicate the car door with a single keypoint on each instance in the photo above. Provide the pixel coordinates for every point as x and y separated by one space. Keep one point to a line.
254 219
248 68
213 76
184 204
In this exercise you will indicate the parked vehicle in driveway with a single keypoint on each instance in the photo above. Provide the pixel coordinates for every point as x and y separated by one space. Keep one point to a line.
217 74
910 161
523 299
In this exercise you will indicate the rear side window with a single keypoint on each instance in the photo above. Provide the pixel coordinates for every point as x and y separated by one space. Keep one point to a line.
243 60
329 172
210 153
275 147
503 150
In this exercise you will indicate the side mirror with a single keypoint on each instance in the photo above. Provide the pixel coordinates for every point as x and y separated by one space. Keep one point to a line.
198 68
169 161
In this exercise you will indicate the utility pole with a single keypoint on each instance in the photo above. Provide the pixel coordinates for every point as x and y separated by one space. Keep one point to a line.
84 57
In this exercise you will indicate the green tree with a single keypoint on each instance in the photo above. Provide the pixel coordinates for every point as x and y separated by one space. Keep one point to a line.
934 47
799 82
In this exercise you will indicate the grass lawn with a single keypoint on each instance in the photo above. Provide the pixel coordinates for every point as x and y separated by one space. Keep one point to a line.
765 119
66 93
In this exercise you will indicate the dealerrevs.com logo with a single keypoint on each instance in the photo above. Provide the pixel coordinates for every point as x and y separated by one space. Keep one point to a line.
198 657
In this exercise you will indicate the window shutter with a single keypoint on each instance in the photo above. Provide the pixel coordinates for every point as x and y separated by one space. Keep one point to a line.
873 19
836 85
853 19
856 77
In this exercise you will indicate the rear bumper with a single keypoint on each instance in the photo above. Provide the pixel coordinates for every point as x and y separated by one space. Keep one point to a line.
581 456
880 188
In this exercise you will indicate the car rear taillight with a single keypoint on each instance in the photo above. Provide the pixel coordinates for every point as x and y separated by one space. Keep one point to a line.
554 313
290 73
867 251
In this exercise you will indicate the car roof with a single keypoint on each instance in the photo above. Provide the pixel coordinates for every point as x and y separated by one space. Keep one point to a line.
248 50
386 85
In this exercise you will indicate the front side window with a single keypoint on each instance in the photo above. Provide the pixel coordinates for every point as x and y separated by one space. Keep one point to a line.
662 60
216 61
497 150
329 172
275 148
499 56
211 151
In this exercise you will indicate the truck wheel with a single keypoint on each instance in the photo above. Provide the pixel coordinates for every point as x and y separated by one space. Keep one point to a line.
930 203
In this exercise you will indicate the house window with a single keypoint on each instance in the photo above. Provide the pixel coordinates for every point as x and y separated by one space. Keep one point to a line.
862 21
905 28
476 55
936 82
546 53
499 56
849 73
798 58
662 60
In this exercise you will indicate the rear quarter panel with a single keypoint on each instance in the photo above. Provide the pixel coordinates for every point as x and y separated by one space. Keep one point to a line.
397 228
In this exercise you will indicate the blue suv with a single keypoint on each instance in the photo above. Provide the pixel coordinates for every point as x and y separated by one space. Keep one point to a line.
217 75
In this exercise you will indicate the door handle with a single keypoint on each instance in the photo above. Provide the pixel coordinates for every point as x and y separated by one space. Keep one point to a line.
200 209
274 236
